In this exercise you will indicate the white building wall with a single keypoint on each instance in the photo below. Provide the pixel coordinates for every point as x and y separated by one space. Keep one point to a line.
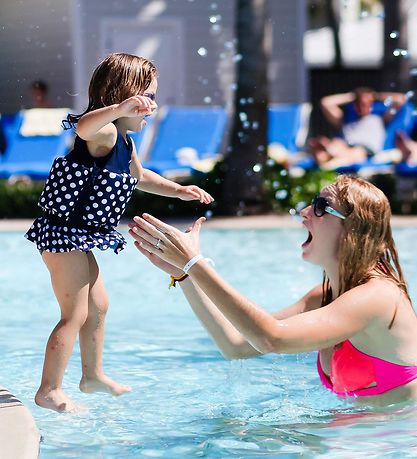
35 43
61 42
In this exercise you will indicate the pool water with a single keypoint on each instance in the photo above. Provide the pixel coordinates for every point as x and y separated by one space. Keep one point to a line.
187 401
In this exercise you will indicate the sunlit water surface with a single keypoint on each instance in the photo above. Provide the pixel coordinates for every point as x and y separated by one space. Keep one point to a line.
187 401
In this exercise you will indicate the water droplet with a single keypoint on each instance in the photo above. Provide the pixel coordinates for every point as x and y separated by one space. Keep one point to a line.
300 206
409 94
243 116
208 214
207 99
257 167
202 51
388 101
413 72
213 19
400 52
242 101
281 194
255 125
394 34
292 212
237 58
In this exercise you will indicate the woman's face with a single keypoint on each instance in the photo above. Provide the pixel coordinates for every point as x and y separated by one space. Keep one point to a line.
322 244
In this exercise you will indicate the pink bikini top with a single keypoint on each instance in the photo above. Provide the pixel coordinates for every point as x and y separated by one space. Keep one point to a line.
351 371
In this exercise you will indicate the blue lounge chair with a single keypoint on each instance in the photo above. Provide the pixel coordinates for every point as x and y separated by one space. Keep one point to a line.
199 129
288 126
31 156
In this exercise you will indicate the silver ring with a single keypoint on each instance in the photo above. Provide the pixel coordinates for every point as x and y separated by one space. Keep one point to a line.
158 244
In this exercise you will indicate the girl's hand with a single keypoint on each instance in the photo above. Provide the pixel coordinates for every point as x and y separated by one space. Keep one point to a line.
194 193
136 106
166 242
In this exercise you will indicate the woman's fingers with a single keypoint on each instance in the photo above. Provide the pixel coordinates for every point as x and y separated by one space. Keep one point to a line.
147 254
150 228
196 226
144 235
158 224
149 247
140 240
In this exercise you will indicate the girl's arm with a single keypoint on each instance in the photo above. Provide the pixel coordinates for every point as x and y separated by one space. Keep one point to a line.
97 128
154 183
352 312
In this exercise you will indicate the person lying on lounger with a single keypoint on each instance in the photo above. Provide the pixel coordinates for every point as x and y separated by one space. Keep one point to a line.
361 130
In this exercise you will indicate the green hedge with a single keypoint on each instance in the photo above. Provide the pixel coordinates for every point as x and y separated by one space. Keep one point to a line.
284 191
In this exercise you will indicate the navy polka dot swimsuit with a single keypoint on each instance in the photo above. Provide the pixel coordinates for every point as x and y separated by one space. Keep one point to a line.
83 200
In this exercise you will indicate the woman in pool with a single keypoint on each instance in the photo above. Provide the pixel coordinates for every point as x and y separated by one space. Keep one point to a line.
360 319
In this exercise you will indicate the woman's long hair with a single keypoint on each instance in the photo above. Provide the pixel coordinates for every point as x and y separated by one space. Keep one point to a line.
366 248
117 78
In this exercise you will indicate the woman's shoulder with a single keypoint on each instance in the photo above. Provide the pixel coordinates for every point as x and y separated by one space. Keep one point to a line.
378 298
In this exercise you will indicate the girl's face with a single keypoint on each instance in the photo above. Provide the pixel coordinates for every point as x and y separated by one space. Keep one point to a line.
136 124
322 244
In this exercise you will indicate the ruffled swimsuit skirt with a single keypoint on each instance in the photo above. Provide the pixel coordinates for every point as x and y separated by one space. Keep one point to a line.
83 200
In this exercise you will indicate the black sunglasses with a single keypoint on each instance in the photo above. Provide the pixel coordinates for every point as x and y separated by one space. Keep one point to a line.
150 95
321 206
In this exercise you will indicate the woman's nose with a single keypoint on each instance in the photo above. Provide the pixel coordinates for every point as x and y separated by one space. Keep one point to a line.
304 212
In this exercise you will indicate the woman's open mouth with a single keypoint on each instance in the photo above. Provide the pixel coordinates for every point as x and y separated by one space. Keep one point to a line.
308 240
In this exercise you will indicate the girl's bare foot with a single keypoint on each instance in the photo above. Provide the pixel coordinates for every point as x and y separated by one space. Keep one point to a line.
57 400
103 384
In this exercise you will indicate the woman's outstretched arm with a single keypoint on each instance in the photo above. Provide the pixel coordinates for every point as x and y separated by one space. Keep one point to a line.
231 343
349 314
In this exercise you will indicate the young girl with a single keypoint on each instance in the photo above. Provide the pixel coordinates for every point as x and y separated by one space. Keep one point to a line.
83 200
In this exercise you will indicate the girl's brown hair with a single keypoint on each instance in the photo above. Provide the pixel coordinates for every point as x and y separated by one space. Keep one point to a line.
117 78
366 248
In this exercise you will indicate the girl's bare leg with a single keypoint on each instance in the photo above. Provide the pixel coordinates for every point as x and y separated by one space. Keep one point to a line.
70 280
92 338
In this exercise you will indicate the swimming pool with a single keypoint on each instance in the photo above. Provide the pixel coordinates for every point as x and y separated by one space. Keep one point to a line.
187 401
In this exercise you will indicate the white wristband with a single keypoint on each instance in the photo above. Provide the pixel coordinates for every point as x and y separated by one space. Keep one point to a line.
192 262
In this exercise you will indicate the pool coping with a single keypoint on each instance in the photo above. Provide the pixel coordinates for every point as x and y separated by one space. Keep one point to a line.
267 221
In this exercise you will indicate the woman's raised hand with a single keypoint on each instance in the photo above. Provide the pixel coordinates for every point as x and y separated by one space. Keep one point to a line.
136 106
166 242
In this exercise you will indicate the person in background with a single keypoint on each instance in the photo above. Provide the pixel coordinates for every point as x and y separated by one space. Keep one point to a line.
360 129
360 318
39 92
407 144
